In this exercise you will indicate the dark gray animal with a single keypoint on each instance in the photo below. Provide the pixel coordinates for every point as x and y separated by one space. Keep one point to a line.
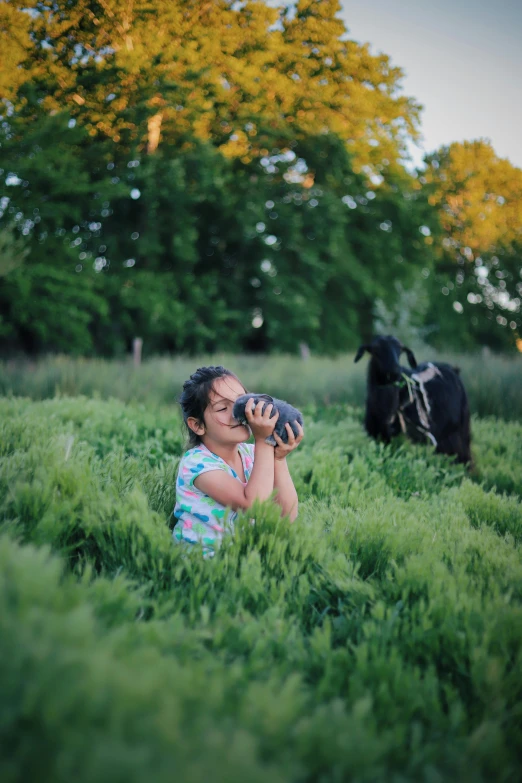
425 401
287 414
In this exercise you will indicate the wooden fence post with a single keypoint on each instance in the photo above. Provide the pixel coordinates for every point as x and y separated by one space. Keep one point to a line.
304 351
137 345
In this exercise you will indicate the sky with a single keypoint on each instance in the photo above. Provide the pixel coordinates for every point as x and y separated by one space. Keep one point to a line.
462 61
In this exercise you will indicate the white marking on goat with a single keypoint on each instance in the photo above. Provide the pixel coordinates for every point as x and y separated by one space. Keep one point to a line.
432 438
421 378
424 377
428 374
415 390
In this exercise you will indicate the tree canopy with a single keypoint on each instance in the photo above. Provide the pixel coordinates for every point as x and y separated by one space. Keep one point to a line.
149 72
478 198
211 174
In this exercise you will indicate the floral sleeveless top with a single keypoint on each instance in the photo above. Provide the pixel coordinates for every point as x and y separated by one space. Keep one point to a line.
201 519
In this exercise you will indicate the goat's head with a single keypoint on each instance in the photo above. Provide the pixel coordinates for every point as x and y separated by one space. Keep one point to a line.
385 353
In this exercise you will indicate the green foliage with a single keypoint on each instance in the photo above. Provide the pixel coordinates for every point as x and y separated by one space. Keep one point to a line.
495 447
150 74
194 252
39 299
478 197
377 638
12 252
244 189
238 221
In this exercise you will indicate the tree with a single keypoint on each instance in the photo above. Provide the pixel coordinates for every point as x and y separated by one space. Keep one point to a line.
478 288
144 153
52 204
146 73
346 90
194 251
14 45
13 251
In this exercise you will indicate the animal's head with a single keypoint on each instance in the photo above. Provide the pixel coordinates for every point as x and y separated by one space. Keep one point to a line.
386 352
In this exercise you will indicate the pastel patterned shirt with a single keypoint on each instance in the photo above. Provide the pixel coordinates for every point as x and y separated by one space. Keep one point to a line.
201 519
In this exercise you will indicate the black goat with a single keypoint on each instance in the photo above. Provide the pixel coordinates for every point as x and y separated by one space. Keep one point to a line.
426 401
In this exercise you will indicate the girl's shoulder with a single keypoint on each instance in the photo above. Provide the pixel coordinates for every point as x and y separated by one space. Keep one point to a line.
202 454
192 453
197 461
200 460
199 455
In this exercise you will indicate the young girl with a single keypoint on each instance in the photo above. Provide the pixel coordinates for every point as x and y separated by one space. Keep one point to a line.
220 471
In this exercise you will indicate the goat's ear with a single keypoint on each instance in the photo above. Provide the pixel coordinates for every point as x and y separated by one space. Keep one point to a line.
360 351
411 356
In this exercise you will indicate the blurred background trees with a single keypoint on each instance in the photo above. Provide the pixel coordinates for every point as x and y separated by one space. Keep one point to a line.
239 190
478 198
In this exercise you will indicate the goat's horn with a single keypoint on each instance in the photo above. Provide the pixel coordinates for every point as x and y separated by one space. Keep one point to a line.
411 356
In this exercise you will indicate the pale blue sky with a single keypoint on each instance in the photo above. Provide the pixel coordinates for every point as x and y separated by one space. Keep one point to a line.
462 61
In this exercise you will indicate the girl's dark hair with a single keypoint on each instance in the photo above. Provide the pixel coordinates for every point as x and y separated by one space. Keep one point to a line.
194 398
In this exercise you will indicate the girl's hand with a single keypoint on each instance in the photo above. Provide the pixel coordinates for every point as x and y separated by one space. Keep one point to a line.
283 449
260 423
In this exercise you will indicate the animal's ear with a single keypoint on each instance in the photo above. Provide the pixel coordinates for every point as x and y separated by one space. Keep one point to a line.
411 356
361 349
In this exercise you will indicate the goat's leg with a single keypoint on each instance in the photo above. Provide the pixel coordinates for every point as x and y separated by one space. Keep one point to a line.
455 444
457 441
381 429
465 424
377 428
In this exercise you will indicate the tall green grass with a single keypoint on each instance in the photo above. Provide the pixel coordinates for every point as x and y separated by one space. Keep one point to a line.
379 638
493 383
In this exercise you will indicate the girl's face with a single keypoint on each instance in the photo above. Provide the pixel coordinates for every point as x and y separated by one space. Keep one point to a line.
219 424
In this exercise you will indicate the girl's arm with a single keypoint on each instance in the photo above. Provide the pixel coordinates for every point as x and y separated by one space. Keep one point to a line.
286 495
227 490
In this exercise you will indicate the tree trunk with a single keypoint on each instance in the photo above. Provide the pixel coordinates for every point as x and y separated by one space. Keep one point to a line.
154 130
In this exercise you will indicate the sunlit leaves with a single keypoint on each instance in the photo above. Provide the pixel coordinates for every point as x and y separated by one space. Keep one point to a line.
264 76
478 197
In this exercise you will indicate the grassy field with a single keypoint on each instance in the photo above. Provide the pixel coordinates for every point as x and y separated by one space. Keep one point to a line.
379 638
493 382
